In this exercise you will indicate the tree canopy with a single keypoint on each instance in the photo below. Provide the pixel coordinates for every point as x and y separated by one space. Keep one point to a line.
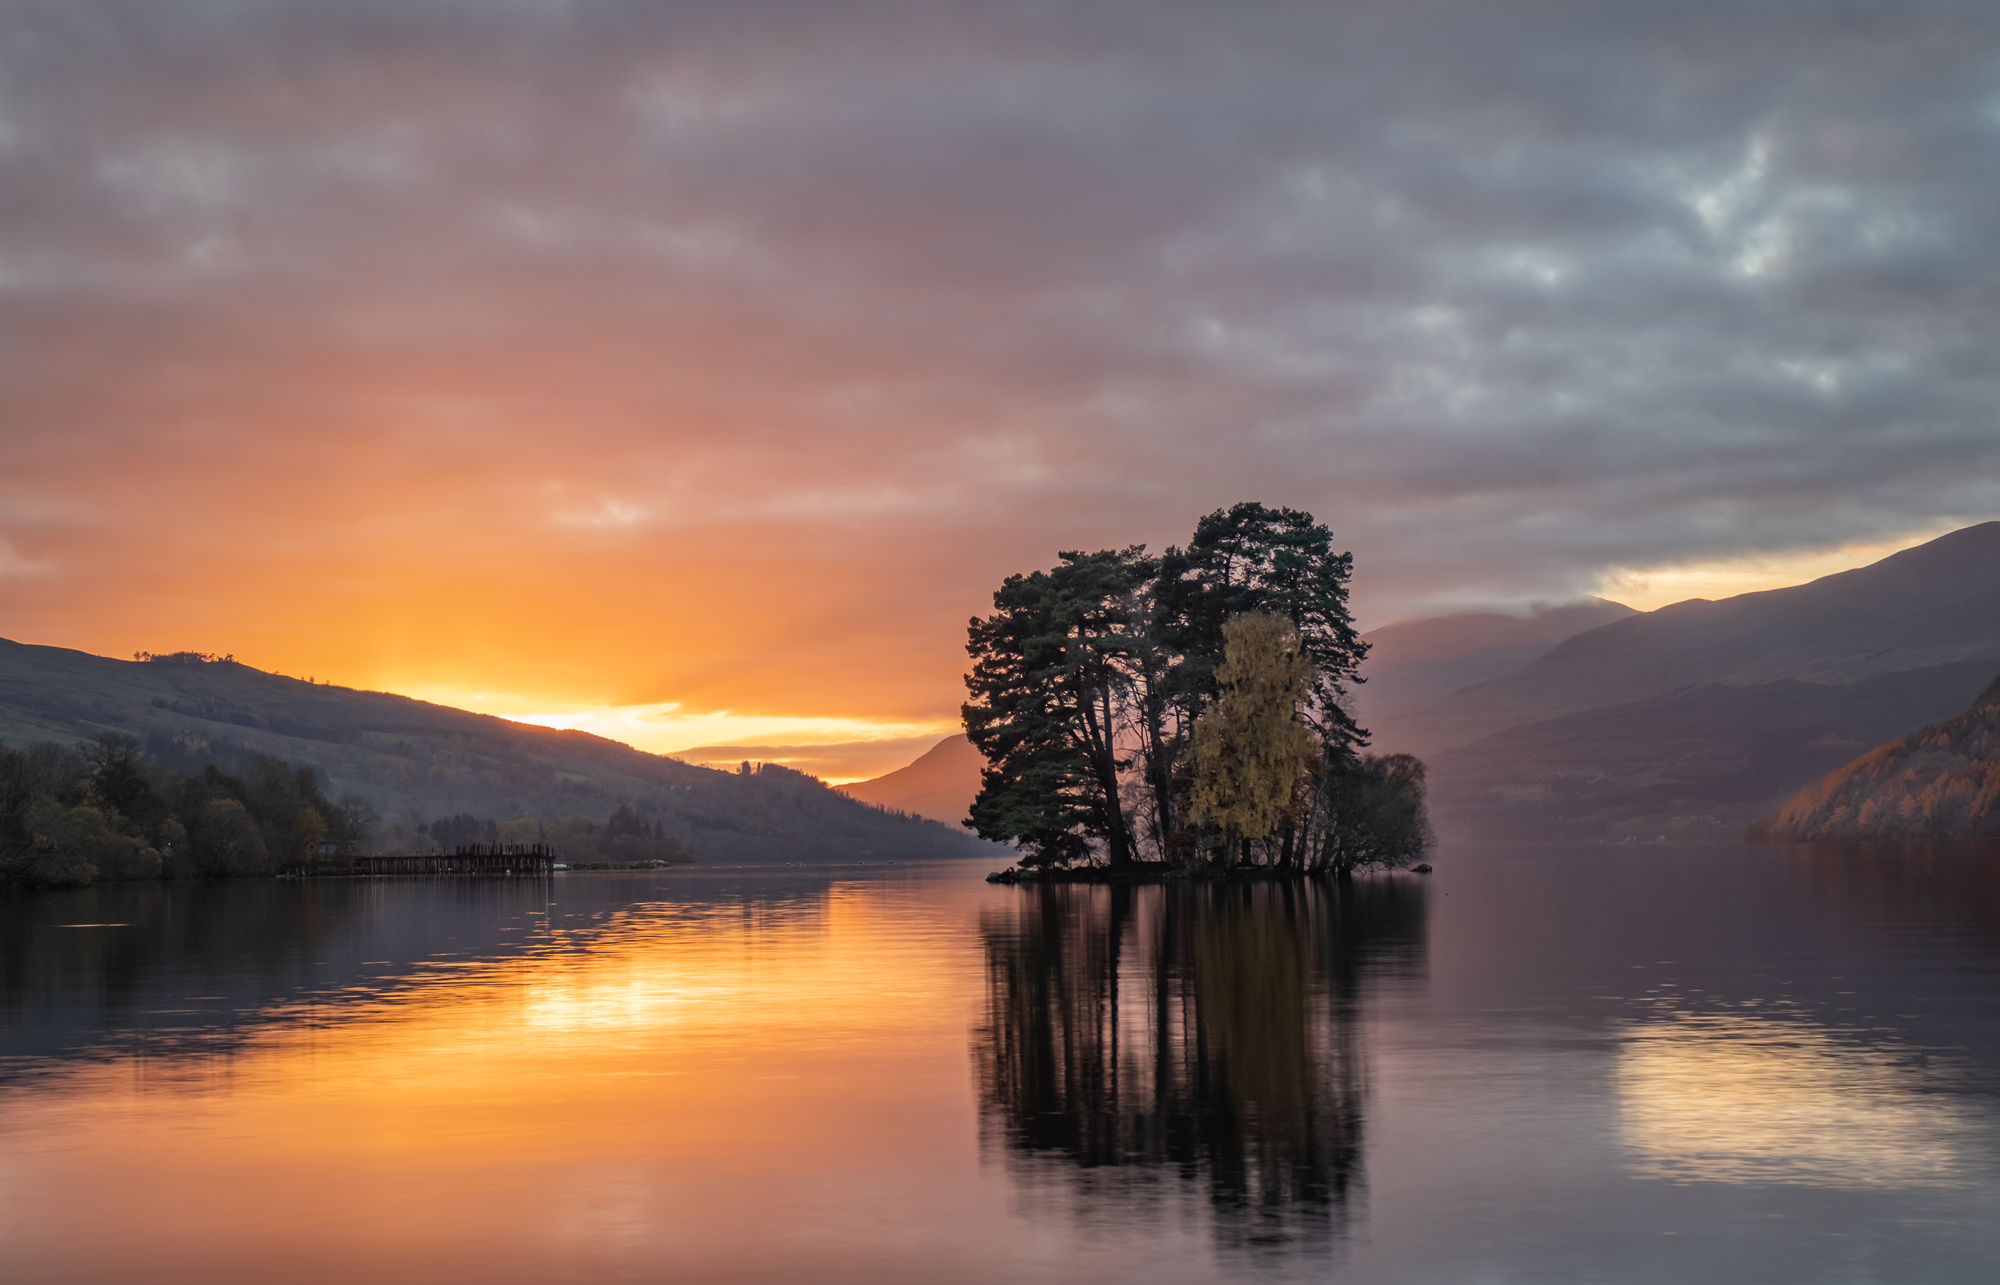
1051 670
1251 753
104 810
1096 685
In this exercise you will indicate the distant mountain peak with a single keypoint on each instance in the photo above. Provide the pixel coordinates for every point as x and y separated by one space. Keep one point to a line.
940 784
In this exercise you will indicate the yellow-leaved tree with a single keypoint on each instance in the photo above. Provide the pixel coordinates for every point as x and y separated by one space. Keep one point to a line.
1250 750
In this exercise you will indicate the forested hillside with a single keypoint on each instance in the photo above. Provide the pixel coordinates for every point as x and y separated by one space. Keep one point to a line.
413 767
1942 782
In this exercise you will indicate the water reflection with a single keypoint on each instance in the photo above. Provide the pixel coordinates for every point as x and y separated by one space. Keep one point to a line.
1942 888
597 1075
1766 1095
1703 1064
162 971
1863 1072
1144 1048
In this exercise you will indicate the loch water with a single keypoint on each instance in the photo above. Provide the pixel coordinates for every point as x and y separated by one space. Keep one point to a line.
1619 1064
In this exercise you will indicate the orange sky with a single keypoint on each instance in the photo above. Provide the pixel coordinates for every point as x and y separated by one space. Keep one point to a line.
695 374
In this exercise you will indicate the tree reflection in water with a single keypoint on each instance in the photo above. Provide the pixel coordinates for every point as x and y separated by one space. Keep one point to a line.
1145 1047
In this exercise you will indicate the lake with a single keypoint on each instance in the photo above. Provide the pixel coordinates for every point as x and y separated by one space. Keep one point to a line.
1640 1064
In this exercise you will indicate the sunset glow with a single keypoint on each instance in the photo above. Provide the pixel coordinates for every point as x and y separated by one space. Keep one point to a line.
619 359
884 642
1653 588
620 1076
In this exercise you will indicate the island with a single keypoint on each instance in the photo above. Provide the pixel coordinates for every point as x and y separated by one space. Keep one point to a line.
1185 715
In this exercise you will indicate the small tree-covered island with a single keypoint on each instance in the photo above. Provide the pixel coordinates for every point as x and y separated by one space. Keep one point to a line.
1185 715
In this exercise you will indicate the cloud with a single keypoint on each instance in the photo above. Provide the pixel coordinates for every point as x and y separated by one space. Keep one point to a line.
364 324
604 514
838 762
13 563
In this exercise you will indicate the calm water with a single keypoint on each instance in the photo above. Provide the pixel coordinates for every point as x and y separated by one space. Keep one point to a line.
1621 1065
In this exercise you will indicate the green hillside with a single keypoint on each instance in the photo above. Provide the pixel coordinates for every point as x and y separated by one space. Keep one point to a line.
1940 783
416 763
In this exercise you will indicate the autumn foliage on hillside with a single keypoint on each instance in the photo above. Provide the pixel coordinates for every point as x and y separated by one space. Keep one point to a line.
1940 783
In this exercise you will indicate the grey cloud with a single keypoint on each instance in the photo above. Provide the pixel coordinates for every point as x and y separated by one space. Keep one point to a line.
1510 292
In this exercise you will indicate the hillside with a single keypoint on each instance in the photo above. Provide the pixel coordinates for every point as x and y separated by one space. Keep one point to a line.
1930 607
1702 716
1694 764
1942 782
939 785
415 761
1413 663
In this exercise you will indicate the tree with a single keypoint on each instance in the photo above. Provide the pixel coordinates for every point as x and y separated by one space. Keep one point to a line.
308 830
276 794
1049 678
176 851
521 830
227 841
1245 559
117 770
351 821
104 810
1090 680
54 860
81 844
1250 751
1370 812
1249 558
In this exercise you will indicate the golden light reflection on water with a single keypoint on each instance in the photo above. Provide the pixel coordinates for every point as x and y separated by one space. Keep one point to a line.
610 1093
909 1077
1764 1096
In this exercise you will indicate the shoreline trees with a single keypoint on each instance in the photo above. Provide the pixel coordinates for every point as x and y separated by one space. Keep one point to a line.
1089 681
71 816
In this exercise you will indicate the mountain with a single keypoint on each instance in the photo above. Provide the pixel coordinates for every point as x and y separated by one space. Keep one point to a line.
414 761
1701 716
1412 663
1694 764
940 785
1929 607
1942 782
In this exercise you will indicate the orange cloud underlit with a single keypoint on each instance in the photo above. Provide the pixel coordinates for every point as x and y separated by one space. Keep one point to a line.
616 357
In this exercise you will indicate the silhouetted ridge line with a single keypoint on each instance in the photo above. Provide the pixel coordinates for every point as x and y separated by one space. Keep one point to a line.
1691 721
433 777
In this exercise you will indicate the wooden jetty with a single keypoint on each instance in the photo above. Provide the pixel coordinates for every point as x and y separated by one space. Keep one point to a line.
529 860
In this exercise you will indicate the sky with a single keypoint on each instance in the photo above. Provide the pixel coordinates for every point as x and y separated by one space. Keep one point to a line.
691 372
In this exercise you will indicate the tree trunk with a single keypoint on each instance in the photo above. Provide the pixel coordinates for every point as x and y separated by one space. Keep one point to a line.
1104 765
